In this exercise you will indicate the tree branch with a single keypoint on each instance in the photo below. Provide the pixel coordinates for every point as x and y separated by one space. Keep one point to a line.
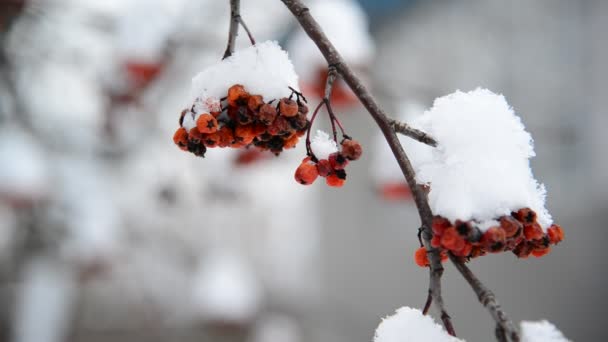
407 130
333 58
488 300
235 15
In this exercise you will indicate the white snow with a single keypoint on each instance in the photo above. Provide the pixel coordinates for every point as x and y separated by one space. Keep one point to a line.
322 145
411 325
480 169
541 331
346 25
263 69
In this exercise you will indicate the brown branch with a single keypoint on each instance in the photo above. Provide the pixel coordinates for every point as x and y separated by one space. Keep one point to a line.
488 300
333 58
235 15
407 130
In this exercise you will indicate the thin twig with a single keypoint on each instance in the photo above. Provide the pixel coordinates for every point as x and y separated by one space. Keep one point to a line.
333 58
407 130
235 8
487 299
242 22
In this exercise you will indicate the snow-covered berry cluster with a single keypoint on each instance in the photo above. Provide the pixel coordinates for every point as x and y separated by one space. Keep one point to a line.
327 161
519 233
245 120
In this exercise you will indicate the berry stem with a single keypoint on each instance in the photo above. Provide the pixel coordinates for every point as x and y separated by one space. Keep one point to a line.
407 130
312 120
235 14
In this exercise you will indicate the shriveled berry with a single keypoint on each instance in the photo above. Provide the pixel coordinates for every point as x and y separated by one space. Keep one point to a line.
337 160
255 102
244 134
439 225
510 225
306 173
279 126
351 149
180 138
299 122
259 129
525 215
291 141
302 108
195 136
226 136
288 107
211 140
494 239
451 240
244 116
463 227
237 95
267 114
533 231
324 167
334 180
421 258
206 123
555 233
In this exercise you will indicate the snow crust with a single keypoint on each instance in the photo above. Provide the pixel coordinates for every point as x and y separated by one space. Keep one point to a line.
322 145
409 324
541 331
263 69
480 169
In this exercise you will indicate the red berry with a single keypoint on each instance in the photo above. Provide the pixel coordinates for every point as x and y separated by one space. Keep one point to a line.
533 231
523 250
306 173
291 141
555 233
451 240
539 252
440 224
494 239
267 114
436 241
337 161
525 215
180 138
334 180
324 167
351 149
237 95
211 140
420 257
510 225
254 102
206 123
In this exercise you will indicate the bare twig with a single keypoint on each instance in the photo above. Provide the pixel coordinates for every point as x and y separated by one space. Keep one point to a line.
333 58
235 14
407 130
501 335
487 299
249 34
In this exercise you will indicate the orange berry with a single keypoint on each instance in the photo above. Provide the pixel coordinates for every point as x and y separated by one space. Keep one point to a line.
436 241
351 149
279 126
452 240
555 233
439 225
466 250
206 123
539 252
254 102
267 114
306 173
324 168
291 141
533 231
334 180
510 225
337 161
237 95
288 107
180 138
244 134
421 258
525 215
299 122
226 136
243 115
195 136
494 239
259 129
211 140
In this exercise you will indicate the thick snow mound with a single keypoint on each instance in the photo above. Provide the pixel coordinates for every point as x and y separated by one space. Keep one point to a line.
541 331
411 325
480 169
263 69
322 145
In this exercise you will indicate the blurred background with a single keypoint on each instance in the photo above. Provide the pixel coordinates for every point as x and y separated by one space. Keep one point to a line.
110 232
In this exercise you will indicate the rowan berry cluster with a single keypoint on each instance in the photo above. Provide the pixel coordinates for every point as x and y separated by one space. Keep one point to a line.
519 233
332 168
242 119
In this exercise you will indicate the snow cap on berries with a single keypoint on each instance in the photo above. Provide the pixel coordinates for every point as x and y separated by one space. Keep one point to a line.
322 145
480 169
409 324
541 331
263 69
